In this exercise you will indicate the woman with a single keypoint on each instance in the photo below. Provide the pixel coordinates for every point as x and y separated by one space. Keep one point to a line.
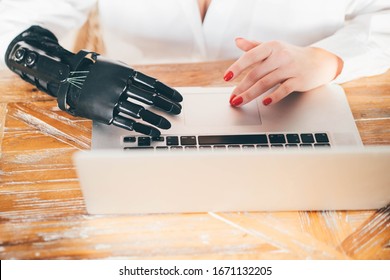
295 45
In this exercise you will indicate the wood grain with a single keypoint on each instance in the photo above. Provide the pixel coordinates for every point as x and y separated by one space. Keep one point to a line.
43 216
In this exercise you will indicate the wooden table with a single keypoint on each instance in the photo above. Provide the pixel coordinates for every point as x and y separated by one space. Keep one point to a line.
43 216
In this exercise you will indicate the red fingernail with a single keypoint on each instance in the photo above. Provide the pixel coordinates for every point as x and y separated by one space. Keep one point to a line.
237 101
228 76
267 101
231 98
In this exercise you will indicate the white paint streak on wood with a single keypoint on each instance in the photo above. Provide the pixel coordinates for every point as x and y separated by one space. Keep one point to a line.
381 221
103 246
3 113
332 224
41 159
16 172
42 181
205 238
23 192
28 158
372 119
52 131
284 238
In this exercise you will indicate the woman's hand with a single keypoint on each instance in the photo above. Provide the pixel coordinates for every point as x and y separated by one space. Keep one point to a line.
288 67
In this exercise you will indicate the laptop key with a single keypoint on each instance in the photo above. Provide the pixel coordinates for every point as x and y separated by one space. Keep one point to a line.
143 141
234 147
248 147
138 148
188 140
306 146
190 147
206 147
322 145
162 148
321 138
158 139
277 139
232 139
172 140
176 148
219 147
293 138
292 146
307 138
277 146
129 139
262 147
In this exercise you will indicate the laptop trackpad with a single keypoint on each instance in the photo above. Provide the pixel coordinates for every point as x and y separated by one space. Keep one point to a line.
215 110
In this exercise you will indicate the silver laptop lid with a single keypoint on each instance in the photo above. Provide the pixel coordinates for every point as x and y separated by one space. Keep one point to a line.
115 182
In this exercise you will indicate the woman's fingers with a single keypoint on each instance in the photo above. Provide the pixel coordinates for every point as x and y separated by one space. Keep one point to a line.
246 45
282 91
262 69
296 68
252 56
264 84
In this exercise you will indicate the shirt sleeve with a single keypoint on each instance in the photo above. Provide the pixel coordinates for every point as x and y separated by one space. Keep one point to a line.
62 17
364 41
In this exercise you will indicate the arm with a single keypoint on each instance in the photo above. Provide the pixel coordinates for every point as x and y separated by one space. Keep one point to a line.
89 85
361 48
62 17
364 42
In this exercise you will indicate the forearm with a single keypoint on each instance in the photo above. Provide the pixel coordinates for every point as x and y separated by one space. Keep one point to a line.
89 85
363 45
37 58
62 17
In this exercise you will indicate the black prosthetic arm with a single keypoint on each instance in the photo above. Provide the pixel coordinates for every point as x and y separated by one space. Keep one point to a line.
91 86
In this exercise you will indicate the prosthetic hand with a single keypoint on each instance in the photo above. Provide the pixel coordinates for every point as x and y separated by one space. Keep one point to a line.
89 85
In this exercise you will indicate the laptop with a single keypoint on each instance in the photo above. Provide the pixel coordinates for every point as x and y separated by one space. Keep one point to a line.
304 153
317 118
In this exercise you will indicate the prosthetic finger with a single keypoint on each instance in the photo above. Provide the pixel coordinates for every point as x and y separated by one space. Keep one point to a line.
140 112
152 98
129 124
159 87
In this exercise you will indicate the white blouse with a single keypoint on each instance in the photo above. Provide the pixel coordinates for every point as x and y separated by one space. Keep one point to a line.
171 31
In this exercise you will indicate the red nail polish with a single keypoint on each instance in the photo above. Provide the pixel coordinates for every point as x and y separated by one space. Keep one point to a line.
228 76
231 98
237 101
267 101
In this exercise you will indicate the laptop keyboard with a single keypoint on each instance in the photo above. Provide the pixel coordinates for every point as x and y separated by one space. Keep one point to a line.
228 142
